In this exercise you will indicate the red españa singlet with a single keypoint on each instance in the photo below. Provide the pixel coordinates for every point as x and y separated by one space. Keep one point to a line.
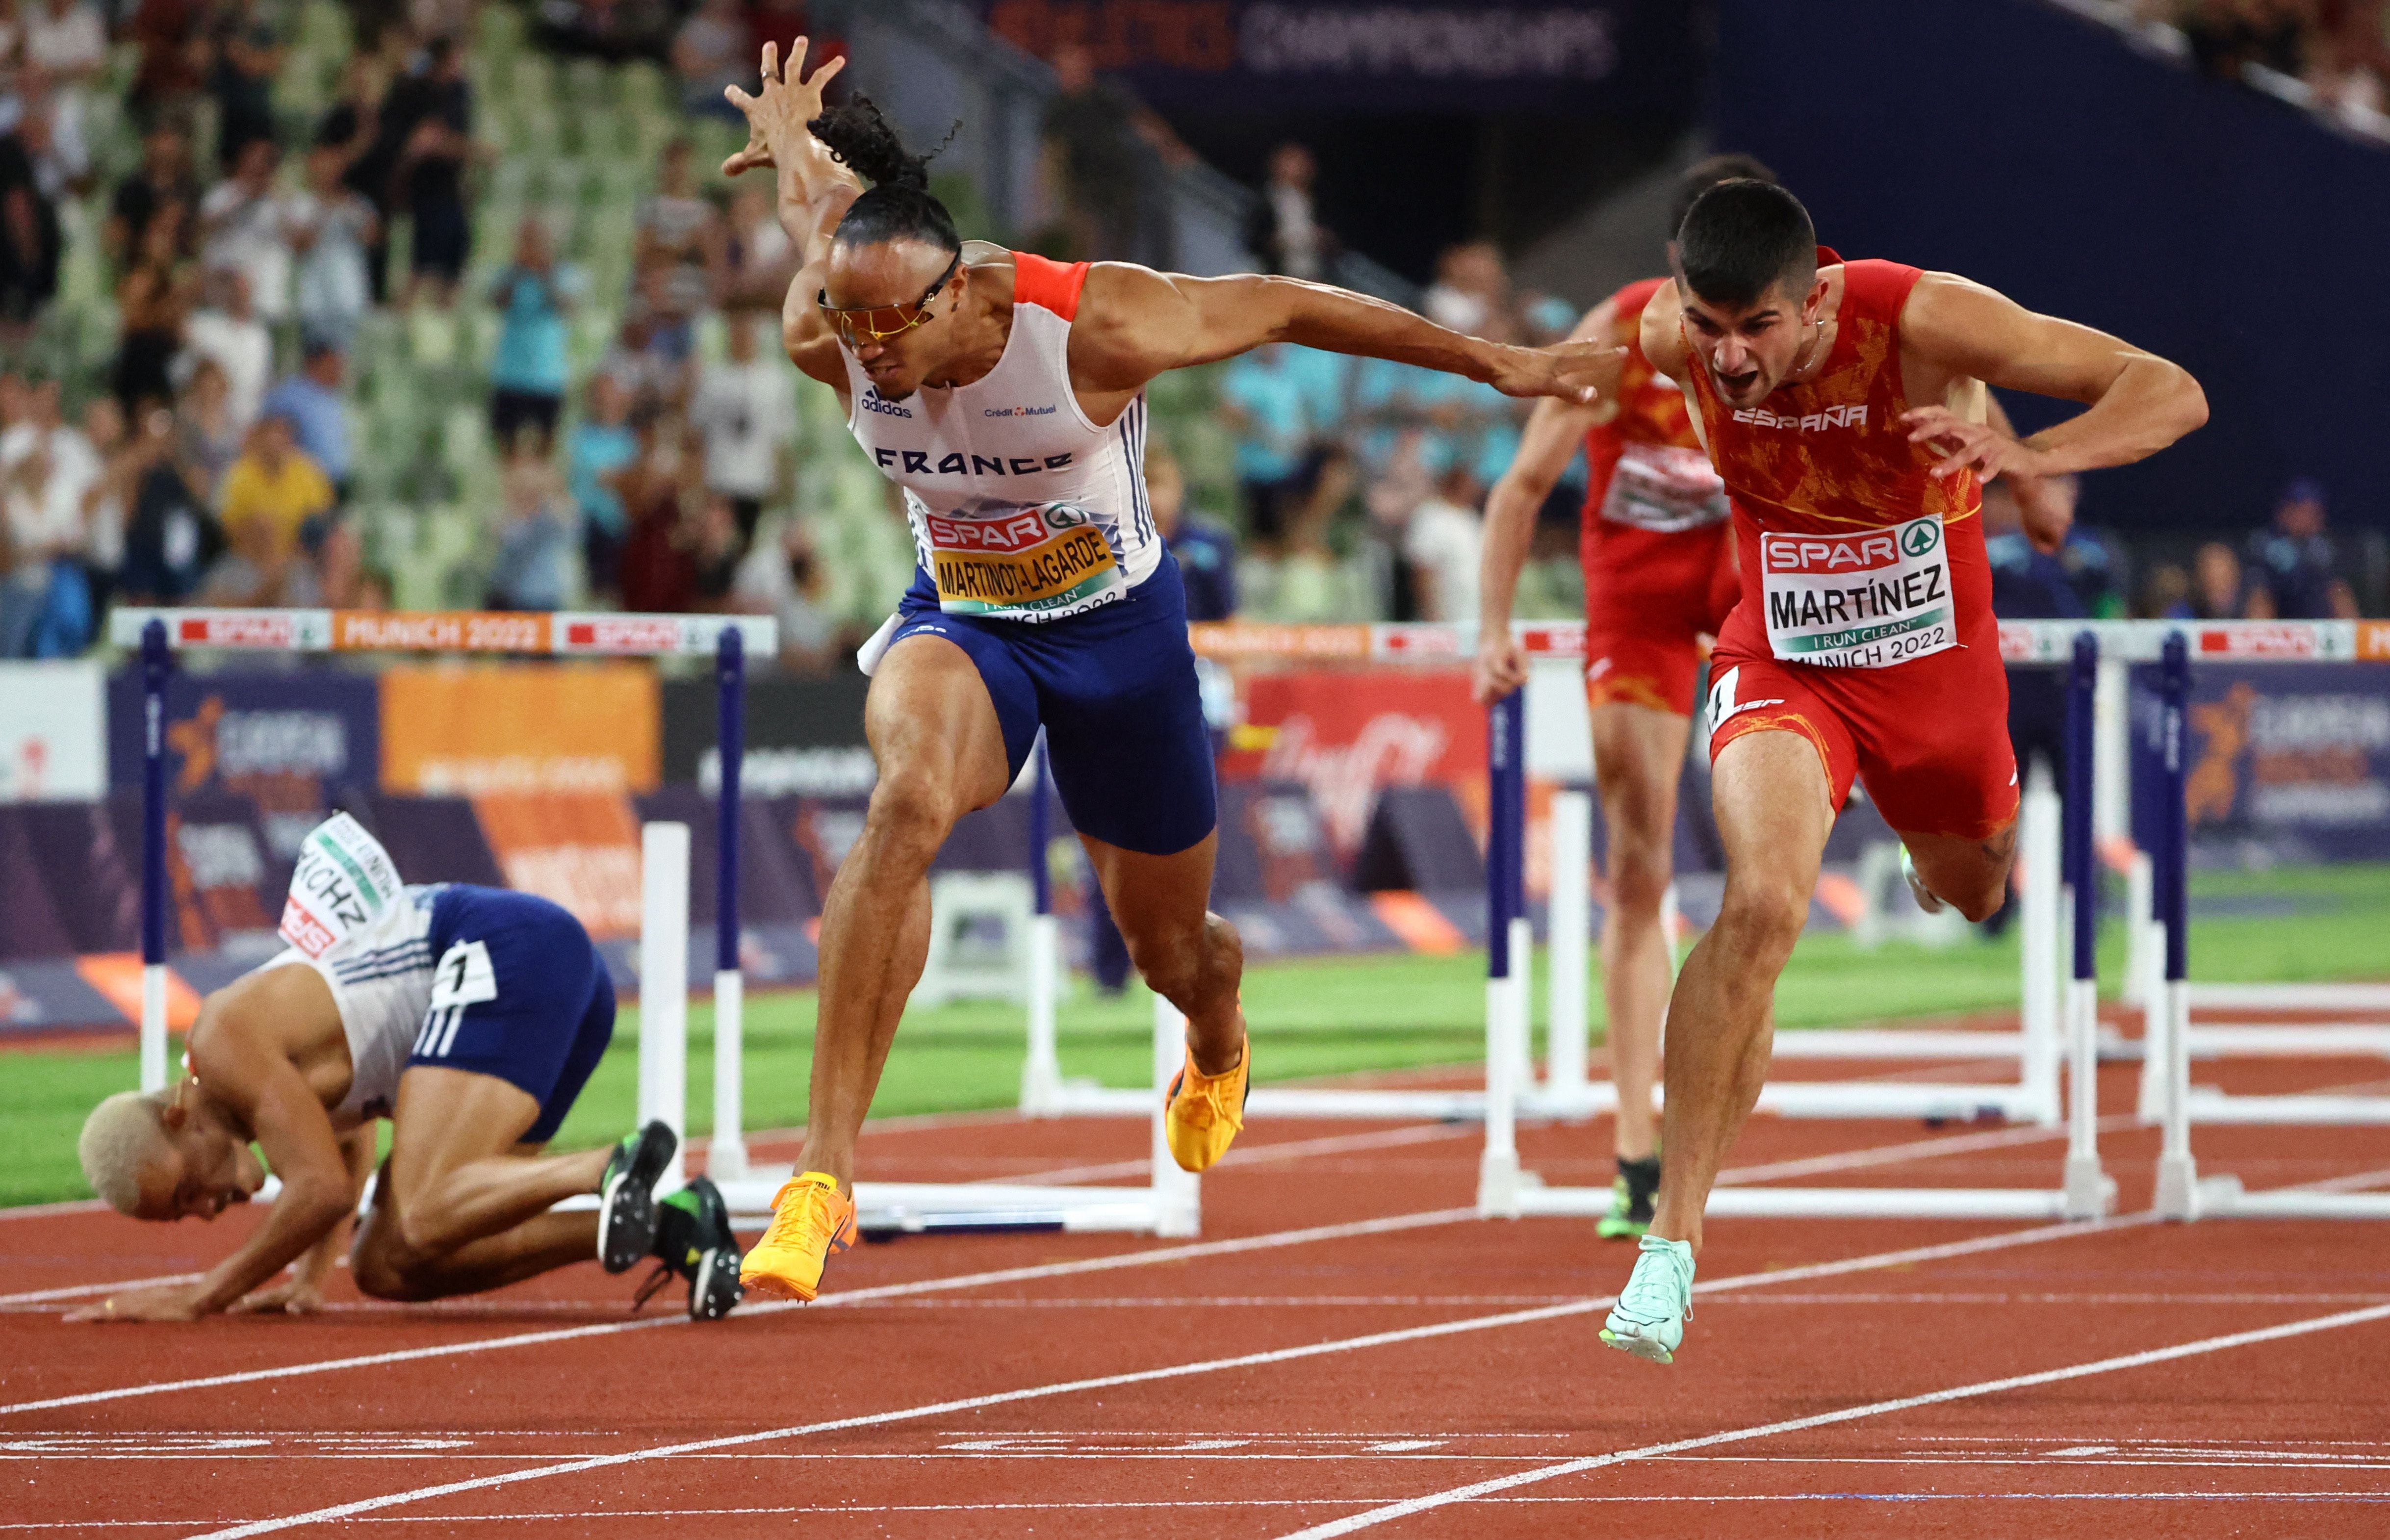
1832 455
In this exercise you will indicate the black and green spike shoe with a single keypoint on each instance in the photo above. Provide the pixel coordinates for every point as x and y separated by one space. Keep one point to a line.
626 1197
694 1242
1632 1199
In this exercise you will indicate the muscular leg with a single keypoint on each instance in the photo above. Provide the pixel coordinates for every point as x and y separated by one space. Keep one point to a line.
939 750
1770 794
1969 875
462 1206
1638 756
1186 954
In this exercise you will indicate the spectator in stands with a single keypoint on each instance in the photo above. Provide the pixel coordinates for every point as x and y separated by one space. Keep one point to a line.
2293 560
315 403
107 505
164 184
1268 403
745 409
599 450
247 56
257 570
225 328
45 601
714 48
438 115
659 553
1286 232
41 426
30 244
614 29
679 246
534 565
716 547
335 550
649 355
153 301
208 437
2216 591
276 485
1304 581
171 537
245 227
367 142
757 261
1471 293
783 576
67 42
1207 554
528 375
331 230
173 53
1092 159
1441 542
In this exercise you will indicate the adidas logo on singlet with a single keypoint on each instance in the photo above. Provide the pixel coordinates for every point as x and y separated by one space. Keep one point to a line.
1832 417
874 402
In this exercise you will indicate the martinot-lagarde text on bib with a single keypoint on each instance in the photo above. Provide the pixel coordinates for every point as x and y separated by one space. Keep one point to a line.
1865 599
1011 559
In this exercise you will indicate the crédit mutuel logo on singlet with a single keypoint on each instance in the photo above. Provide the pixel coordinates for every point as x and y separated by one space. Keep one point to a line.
1854 416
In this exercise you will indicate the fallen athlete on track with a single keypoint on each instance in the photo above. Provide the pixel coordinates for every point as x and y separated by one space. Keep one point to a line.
468 1016
1005 395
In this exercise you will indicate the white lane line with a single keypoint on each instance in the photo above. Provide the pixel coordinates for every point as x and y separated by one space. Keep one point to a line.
967 1281
75 1291
1392 1511
46 1211
1909 1257
1387 1226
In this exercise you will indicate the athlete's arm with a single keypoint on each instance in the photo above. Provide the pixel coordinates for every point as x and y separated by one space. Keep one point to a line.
303 1293
2044 504
815 189
259 1080
1135 323
1546 446
2139 403
1661 335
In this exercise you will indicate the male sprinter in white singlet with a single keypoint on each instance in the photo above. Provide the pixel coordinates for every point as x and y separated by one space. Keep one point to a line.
1005 394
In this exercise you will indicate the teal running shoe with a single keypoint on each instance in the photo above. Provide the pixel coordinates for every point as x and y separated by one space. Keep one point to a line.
1648 1320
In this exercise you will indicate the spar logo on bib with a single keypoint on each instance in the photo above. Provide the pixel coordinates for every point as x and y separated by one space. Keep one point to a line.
1861 600
1005 560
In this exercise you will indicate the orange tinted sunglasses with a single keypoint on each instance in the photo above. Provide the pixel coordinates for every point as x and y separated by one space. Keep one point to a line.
859 325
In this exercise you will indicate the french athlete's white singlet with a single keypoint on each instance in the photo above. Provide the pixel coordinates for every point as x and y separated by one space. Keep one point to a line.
1022 510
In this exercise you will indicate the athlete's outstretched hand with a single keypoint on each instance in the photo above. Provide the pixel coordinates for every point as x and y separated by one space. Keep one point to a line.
168 1302
1500 668
1582 372
292 1296
783 106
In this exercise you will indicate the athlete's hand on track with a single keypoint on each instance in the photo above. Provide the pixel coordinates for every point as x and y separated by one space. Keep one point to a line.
292 1296
172 1301
1579 372
1500 668
783 106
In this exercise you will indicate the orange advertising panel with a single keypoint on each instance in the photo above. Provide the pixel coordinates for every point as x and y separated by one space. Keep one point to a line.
580 849
520 728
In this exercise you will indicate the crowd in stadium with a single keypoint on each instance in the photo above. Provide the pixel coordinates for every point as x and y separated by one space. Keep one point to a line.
205 441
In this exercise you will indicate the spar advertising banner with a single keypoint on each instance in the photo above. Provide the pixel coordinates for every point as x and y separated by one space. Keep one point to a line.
804 737
519 728
52 734
2294 756
1588 56
1345 736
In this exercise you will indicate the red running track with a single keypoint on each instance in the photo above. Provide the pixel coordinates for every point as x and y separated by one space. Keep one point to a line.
1346 1351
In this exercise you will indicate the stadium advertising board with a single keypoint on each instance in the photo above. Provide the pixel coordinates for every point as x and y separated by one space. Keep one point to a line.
519 728
1345 744
2291 755
284 740
51 734
1593 55
804 737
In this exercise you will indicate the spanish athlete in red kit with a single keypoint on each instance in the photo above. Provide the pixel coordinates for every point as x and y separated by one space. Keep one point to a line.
1845 406
1659 579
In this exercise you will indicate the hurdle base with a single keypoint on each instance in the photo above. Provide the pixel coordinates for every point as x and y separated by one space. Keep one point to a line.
2209 1105
2226 1198
2091 1192
907 1208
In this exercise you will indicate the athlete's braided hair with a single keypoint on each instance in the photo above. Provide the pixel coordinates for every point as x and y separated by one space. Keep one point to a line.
898 205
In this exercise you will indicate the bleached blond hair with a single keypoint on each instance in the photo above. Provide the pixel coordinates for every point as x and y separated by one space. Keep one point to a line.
121 1139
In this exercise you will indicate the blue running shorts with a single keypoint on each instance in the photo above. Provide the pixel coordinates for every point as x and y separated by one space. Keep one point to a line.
1115 690
517 992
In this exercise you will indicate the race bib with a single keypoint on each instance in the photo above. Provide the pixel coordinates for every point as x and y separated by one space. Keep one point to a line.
1019 561
1867 599
345 881
1664 487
